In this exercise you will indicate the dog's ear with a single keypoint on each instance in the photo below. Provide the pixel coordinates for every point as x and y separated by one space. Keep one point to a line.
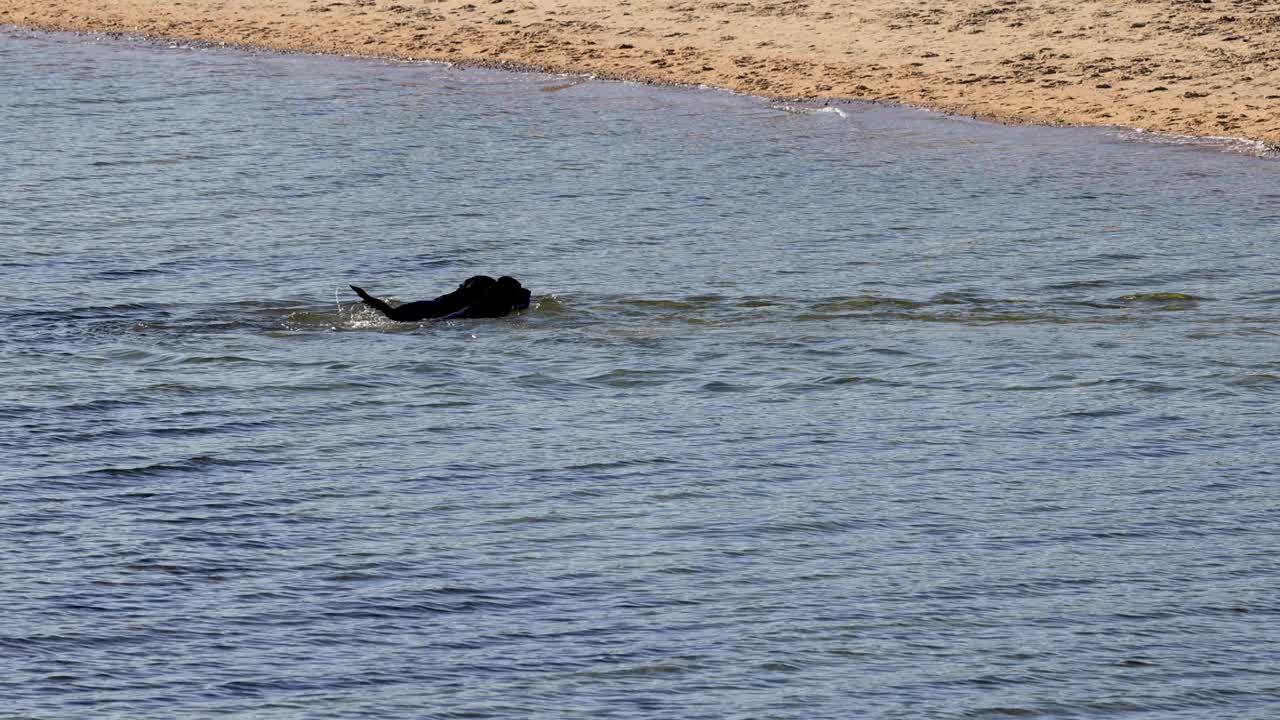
476 282
511 287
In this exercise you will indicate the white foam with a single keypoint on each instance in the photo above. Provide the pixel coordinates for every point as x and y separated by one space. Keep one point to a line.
1222 142
806 110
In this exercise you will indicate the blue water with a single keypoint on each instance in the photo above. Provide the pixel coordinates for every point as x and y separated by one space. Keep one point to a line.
874 413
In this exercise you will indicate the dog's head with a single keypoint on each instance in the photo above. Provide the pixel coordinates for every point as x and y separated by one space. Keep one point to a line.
511 290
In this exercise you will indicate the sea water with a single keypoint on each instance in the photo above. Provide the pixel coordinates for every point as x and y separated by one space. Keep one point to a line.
872 413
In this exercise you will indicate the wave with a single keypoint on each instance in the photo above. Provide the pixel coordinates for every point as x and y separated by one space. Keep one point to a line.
944 307
1243 146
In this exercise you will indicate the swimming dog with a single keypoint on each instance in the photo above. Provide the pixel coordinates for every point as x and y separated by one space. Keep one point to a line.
477 297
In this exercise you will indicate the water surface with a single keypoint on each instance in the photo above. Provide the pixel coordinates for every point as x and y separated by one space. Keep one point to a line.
870 413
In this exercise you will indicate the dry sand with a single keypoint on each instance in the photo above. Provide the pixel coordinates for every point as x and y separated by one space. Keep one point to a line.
1200 67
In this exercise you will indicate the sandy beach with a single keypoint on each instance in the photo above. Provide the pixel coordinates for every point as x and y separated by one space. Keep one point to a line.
1198 67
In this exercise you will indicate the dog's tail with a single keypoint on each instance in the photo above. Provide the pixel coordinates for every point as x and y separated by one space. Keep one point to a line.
374 302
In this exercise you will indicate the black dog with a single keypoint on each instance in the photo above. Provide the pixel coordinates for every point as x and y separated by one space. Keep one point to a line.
477 297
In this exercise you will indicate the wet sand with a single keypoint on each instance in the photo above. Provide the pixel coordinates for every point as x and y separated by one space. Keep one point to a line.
1198 67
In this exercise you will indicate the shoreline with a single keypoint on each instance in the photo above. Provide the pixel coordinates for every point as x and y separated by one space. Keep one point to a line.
1011 61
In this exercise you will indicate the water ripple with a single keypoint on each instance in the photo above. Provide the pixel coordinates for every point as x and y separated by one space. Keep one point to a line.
876 412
